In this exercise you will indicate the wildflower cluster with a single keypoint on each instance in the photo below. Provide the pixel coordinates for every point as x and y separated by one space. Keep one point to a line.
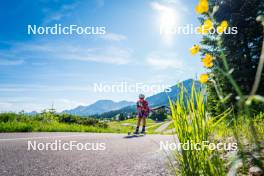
205 28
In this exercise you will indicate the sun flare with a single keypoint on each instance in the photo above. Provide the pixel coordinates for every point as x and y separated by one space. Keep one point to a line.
167 20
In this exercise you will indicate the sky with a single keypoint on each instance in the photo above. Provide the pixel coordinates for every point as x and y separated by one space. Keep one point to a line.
37 71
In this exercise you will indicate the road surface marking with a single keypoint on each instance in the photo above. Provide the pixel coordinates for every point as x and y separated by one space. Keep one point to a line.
46 137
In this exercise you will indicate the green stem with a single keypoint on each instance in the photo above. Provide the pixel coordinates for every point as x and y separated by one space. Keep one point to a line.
232 81
259 72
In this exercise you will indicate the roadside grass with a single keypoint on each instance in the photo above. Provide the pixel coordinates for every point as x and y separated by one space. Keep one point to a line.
50 127
171 126
242 125
194 125
48 122
248 133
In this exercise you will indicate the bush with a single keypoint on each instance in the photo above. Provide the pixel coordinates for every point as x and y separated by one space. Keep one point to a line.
103 125
67 118
88 121
15 127
8 117
158 116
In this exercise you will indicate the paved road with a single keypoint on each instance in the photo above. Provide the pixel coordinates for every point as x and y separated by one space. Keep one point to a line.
164 126
122 156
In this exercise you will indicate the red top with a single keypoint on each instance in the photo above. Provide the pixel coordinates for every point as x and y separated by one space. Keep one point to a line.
142 105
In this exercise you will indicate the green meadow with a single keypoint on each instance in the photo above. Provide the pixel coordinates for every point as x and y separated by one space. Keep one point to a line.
51 122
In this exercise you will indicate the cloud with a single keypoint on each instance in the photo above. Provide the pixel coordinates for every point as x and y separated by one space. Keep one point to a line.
164 61
5 105
43 88
167 15
178 4
69 51
114 37
7 62
64 11
17 104
8 58
29 104
160 7
171 12
100 3
39 63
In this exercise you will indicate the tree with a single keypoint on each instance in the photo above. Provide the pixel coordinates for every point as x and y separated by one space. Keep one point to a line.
242 50
121 117
159 115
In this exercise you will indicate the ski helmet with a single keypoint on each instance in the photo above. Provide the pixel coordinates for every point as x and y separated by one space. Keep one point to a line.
141 96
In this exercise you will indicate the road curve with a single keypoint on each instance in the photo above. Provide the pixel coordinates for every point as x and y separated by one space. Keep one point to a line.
121 157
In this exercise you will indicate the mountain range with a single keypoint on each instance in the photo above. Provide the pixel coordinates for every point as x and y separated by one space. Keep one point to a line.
106 107
98 107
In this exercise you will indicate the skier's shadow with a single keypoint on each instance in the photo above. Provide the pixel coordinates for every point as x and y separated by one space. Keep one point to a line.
133 136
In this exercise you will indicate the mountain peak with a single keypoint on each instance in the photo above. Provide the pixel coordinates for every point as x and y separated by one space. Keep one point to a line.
98 107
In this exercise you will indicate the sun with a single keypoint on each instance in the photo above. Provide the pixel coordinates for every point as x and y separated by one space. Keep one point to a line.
167 18
167 21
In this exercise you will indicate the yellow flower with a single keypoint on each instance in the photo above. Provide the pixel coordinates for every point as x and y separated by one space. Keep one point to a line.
202 7
222 27
204 78
200 30
208 64
195 49
208 24
206 27
208 61
208 58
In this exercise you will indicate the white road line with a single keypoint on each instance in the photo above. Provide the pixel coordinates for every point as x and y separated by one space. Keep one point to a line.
44 137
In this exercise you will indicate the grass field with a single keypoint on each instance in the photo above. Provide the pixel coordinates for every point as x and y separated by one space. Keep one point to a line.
11 122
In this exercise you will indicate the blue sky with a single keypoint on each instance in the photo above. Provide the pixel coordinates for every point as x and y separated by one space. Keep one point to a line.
39 70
